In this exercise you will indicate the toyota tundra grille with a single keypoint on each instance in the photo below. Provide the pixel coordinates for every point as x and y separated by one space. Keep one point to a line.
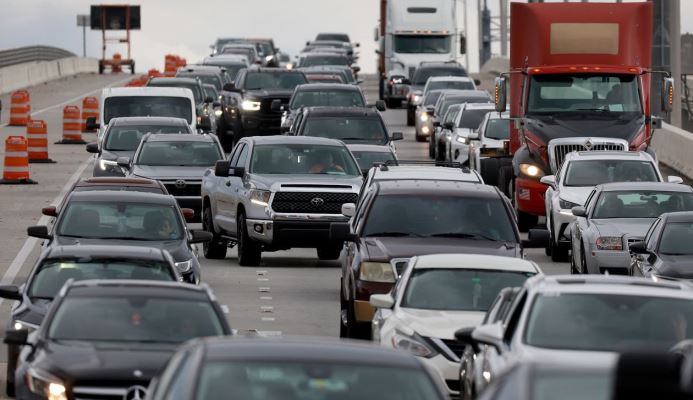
311 202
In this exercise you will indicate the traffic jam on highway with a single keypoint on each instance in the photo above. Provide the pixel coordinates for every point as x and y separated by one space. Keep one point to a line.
256 151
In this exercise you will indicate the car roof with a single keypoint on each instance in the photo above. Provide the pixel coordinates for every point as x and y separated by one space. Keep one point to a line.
149 288
122 196
474 261
103 251
329 86
424 172
609 155
148 91
151 120
609 284
679 216
450 78
479 106
282 139
662 186
375 148
275 69
321 111
178 137
437 187
466 93
306 349
200 70
114 180
173 80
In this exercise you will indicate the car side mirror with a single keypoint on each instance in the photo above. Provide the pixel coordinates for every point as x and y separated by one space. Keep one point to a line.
239 172
10 292
397 136
39 231
205 124
579 211
491 335
473 136
230 87
188 213
341 232
635 248
500 93
199 236
674 179
436 123
449 125
380 105
356 68
348 209
549 180
209 99
221 168
382 301
464 336
49 211
93 148
91 124
276 106
16 337
536 238
123 162
477 82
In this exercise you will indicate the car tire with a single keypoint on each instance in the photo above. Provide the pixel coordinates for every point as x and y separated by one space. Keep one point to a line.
440 152
215 249
420 138
431 146
354 329
410 117
329 252
393 103
12 356
249 251
490 170
583 262
559 252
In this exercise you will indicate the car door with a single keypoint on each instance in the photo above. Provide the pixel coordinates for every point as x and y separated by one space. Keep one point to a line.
238 186
577 230
644 264
224 216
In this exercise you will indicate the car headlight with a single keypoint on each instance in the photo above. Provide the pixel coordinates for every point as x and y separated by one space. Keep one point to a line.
19 325
424 117
218 113
413 344
269 58
609 243
184 266
289 66
531 170
260 197
566 205
250 105
107 165
426 130
461 139
45 385
377 272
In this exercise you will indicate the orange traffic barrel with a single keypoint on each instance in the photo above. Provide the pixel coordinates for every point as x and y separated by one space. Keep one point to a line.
90 108
37 137
20 108
170 64
116 65
72 133
154 73
182 62
16 164
137 82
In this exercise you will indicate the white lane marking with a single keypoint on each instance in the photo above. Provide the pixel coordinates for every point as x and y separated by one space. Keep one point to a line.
266 309
263 289
267 319
29 244
265 297
263 279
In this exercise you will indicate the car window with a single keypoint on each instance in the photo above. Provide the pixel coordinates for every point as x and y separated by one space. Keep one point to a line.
147 106
347 129
596 172
243 157
640 204
128 137
499 129
431 98
676 239
512 319
648 237
234 155
451 114
296 159
179 153
471 119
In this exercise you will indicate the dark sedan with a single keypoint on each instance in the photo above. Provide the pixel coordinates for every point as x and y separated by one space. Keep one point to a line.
106 339
666 251
255 369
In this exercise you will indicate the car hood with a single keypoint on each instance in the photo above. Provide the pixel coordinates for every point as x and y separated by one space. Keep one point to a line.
178 248
114 155
163 172
275 182
494 143
85 361
676 266
273 93
556 126
32 311
387 248
577 358
575 194
436 323
632 227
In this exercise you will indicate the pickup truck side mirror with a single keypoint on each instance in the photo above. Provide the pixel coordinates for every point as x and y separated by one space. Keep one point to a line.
239 172
10 292
221 168
91 124
93 148
380 105
17 337
200 236
397 136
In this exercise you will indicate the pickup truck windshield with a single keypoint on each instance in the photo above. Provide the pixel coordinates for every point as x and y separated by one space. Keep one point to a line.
336 98
422 44
588 173
147 106
471 119
584 93
422 74
299 159
256 80
347 129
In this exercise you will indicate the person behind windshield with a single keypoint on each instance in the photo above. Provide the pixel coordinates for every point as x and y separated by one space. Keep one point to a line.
325 163
165 229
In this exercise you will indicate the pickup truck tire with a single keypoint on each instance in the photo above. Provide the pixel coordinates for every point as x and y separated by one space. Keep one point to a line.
249 251
215 249
329 252
410 116
431 146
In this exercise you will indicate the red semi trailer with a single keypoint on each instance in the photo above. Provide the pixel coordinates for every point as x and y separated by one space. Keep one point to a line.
579 80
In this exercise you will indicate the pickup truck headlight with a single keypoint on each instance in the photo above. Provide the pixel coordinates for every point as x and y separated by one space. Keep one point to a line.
614 243
531 170
45 385
250 105
260 197
566 205
413 344
424 117
218 113
460 139
377 272
24 325
184 266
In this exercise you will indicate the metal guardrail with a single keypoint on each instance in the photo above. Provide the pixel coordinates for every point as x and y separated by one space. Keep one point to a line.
32 53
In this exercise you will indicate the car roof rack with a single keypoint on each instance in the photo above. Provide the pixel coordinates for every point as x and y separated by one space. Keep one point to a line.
448 164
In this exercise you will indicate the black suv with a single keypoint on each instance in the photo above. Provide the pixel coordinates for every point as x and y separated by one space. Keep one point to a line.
352 125
418 81
396 220
254 91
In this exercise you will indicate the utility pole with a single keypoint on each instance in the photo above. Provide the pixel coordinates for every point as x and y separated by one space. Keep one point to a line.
83 21
504 27
484 34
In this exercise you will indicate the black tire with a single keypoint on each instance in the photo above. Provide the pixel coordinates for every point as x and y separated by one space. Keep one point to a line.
525 221
420 138
559 252
431 146
505 176
216 248
329 252
381 89
583 263
354 329
440 152
12 354
490 169
410 116
249 251
132 68
101 68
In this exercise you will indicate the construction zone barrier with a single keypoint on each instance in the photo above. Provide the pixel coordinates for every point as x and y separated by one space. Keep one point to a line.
170 65
37 137
154 73
90 108
138 82
20 108
71 126
16 163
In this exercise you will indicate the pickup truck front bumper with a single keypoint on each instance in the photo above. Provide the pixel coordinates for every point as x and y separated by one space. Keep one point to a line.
282 231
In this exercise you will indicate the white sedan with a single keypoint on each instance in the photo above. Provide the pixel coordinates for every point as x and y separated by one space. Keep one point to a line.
437 295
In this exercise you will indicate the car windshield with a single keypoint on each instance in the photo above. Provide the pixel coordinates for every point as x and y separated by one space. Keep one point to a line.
337 37
311 61
366 159
205 78
497 128
348 129
232 67
422 74
120 220
458 289
337 98
422 44
640 204
147 106
179 153
293 159
52 274
273 80
471 119
133 318
447 85
676 239
127 137
445 103
291 379
119 186
588 173
608 322
584 93
571 385
431 98
211 91
196 89
431 215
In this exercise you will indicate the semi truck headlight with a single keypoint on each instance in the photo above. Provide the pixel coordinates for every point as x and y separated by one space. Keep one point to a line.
531 170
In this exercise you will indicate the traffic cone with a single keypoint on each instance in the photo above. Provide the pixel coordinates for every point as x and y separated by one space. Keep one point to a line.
20 108
16 164
90 108
71 126
37 137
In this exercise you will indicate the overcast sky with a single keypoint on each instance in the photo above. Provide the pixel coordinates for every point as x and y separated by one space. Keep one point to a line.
188 27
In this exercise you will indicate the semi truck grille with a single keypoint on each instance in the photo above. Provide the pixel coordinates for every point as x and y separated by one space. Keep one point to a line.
311 202
180 190
558 151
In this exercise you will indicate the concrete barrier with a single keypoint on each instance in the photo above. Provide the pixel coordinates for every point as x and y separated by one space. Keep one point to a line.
29 74
674 148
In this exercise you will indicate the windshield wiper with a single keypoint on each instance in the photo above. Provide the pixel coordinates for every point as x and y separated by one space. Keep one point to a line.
41 298
393 234
593 109
477 236
128 238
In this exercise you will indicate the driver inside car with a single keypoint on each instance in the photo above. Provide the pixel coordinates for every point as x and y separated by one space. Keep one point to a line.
325 163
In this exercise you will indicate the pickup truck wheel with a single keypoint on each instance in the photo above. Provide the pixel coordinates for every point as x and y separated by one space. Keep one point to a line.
249 252
440 154
410 116
431 146
215 249
329 252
